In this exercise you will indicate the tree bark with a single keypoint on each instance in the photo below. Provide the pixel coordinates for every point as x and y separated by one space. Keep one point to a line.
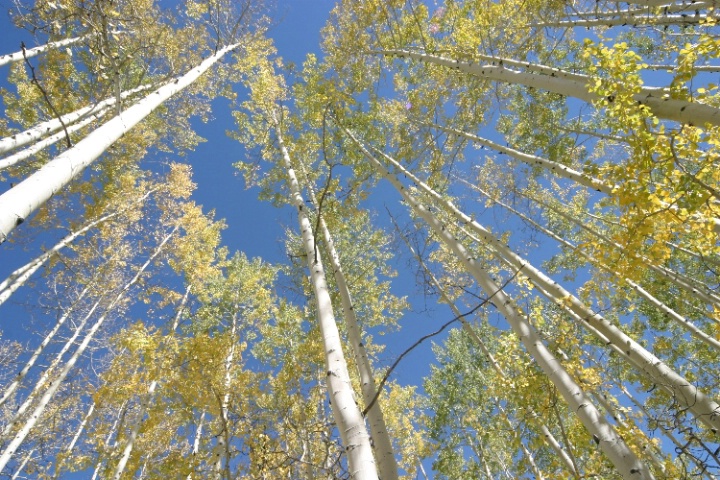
384 454
35 51
23 199
48 395
657 99
53 125
609 441
347 415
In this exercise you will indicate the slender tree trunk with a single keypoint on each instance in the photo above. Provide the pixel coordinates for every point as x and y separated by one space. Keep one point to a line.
662 107
53 125
147 399
38 388
547 435
345 411
18 278
630 20
222 460
609 441
32 52
561 170
122 463
33 149
20 467
10 389
680 448
648 448
384 455
669 312
48 395
23 199
686 394
196 440
692 286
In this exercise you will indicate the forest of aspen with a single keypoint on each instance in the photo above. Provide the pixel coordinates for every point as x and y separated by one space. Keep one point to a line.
517 199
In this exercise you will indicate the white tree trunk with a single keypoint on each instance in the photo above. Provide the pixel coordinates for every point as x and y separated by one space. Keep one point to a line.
48 395
680 447
662 106
23 199
686 394
561 170
609 441
10 389
33 149
628 19
21 275
547 435
53 125
32 52
122 463
384 454
692 286
669 312
347 415
38 388
147 399
533 160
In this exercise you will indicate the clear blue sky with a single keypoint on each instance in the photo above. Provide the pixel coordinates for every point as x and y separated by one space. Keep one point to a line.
254 227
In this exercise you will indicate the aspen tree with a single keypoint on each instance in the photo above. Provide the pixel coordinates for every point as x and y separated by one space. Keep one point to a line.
612 445
23 199
385 457
68 366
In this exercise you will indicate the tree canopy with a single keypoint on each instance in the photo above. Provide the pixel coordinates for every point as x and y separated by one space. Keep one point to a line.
537 181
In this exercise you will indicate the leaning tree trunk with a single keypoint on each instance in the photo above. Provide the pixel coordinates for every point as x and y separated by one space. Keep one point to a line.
23 199
350 422
48 395
572 85
47 127
622 457
32 52
690 397
387 466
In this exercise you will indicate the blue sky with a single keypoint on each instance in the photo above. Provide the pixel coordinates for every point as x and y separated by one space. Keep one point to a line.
255 227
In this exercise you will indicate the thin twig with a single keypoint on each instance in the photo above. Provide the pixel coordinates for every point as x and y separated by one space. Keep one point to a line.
430 335
44 93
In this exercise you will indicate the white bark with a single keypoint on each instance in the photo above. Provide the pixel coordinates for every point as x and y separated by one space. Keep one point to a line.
680 447
81 427
38 388
48 395
122 463
696 288
222 461
196 440
627 19
347 415
686 394
669 312
562 171
21 275
547 435
20 467
533 160
384 454
33 149
657 99
609 441
22 200
53 125
32 52
147 399
10 389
